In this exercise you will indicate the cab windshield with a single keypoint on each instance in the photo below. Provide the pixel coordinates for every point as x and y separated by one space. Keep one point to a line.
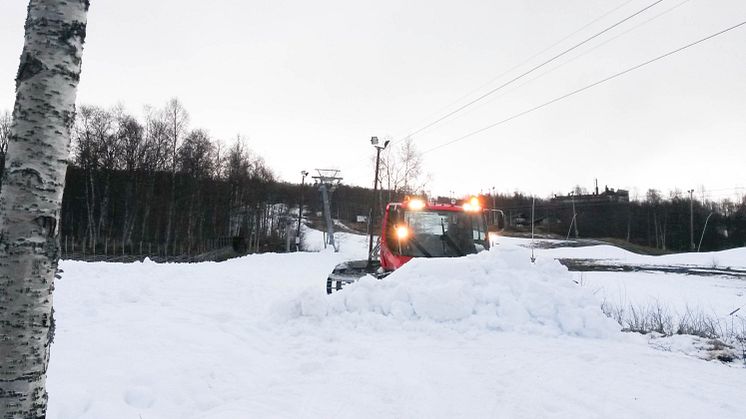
437 233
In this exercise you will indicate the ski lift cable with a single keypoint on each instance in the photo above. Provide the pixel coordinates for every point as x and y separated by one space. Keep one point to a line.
532 69
526 61
587 87
586 52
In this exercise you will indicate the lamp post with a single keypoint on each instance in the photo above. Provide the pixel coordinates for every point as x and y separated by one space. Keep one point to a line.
377 144
300 209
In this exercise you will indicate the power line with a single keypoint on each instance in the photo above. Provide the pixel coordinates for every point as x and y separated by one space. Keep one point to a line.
527 60
582 89
586 52
532 69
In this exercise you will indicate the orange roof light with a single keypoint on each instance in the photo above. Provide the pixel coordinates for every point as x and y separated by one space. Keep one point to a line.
473 205
416 204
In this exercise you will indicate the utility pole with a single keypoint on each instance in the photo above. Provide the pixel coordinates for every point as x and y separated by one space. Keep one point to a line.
574 214
533 208
574 221
371 214
691 219
300 209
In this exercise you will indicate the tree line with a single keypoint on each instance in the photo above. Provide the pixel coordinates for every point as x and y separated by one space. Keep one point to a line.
158 181
655 221
154 185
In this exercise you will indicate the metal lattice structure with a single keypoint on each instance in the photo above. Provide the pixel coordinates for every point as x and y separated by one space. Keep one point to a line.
328 180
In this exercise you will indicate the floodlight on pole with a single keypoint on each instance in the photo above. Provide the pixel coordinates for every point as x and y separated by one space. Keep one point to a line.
376 143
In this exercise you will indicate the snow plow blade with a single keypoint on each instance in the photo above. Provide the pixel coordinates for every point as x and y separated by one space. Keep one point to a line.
351 271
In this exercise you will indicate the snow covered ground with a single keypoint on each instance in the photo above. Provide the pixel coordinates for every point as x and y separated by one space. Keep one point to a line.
732 258
716 296
488 335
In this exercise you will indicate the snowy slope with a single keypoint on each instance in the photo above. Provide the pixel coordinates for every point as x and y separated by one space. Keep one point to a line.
713 295
731 258
257 337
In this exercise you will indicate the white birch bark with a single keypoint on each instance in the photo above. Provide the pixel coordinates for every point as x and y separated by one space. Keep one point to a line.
31 197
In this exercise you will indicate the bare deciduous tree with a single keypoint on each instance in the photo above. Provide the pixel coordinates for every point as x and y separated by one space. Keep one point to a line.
176 120
401 168
5 120
31 196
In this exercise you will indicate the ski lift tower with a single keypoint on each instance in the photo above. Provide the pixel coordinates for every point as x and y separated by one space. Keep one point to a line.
328 180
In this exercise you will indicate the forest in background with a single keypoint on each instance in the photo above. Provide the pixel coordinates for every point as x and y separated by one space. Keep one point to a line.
155 186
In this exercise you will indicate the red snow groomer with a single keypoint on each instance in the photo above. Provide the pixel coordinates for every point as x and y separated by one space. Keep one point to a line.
417 228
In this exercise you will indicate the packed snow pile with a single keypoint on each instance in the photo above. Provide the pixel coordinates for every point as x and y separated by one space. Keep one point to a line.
499 290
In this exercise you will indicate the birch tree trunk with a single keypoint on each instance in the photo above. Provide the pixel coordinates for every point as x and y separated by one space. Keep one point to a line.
31 197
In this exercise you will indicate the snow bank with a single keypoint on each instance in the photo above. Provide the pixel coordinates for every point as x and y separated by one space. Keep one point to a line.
498 290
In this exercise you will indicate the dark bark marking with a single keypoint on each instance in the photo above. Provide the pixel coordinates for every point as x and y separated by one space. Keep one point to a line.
52 326
71 75
69 31
30 66
48 224
29 172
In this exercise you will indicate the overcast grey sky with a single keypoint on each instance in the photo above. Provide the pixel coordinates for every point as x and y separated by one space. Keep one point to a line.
308 83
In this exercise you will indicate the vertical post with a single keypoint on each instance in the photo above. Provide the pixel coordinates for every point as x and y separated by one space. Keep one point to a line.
328 180
326 198
574 216
377 203
300 210
629 221
691 219
376 197
533 208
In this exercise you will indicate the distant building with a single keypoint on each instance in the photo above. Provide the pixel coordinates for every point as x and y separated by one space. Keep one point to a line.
608 195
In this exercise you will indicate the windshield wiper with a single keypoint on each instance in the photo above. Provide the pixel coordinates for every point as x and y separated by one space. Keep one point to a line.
444 237
419 247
